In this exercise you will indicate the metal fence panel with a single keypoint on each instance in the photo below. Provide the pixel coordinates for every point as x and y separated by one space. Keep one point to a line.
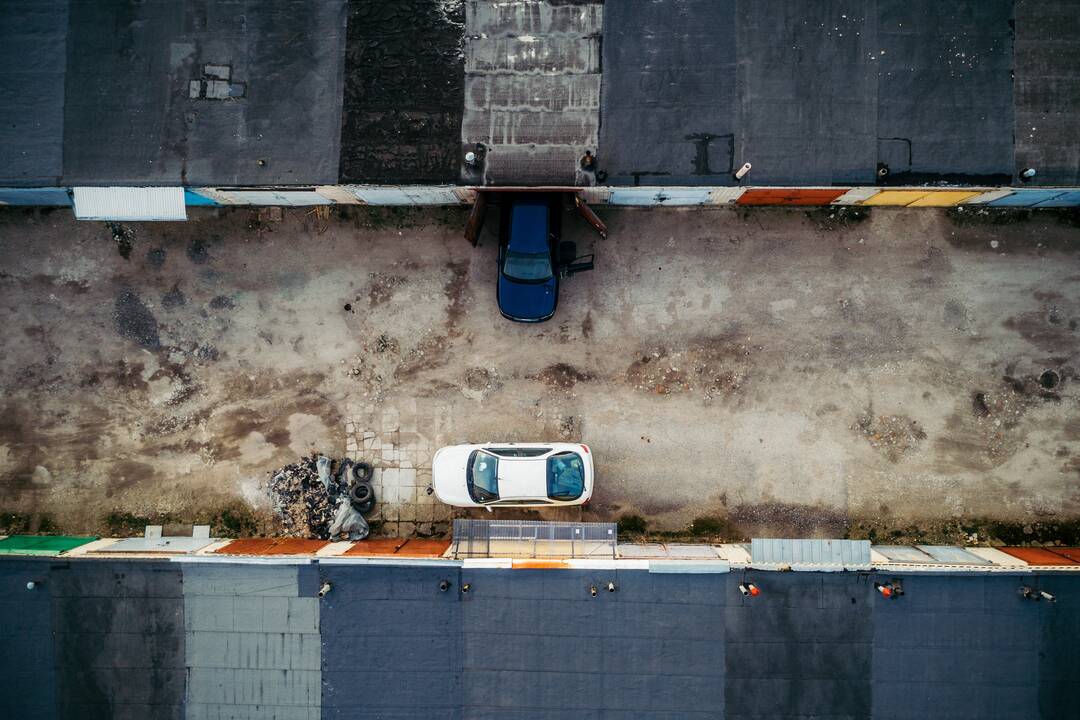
532 538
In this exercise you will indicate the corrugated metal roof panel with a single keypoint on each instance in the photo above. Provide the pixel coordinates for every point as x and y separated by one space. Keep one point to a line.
903 553
952 555
817 553
1038 556
129 203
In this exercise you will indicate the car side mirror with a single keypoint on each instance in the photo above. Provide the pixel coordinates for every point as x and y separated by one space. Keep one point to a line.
580 265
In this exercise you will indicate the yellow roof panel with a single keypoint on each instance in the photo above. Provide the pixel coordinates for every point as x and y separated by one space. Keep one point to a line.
895 197
944 198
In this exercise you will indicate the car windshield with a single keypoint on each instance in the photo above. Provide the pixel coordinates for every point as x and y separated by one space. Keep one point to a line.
511 452
566 476
527 267
482 477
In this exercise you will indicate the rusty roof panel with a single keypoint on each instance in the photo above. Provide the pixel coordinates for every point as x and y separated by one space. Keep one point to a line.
789 196
1038 556
1073 553
272 546
414 547
247 546
296 546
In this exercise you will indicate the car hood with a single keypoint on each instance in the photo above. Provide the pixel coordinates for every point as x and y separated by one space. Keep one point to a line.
527 301
448 475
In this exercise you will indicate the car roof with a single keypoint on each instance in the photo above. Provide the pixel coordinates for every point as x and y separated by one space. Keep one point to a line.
526 477
529 227
523 479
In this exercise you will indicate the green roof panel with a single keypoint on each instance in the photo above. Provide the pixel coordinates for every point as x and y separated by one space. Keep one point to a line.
41 544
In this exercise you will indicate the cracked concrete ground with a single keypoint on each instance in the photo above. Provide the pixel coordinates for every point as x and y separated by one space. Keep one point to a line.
782 371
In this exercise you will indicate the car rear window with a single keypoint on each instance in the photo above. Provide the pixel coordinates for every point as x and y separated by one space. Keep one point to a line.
482 477
528 267
566 476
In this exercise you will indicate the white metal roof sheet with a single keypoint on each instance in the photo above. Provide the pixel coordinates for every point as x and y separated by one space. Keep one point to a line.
838 554
129 203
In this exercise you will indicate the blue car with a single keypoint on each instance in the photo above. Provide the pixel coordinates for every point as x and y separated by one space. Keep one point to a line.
531 258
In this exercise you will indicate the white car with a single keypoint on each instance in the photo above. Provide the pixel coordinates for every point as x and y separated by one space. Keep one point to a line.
513 475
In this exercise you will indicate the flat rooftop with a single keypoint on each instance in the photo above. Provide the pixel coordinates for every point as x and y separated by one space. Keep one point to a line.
171 93
103 638
288 92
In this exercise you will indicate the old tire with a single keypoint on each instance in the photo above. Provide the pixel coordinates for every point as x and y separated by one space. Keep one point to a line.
362 472
361 492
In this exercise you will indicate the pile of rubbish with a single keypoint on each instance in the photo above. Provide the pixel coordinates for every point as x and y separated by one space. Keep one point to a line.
318 497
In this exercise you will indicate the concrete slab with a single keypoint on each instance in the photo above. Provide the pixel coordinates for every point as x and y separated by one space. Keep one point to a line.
532 83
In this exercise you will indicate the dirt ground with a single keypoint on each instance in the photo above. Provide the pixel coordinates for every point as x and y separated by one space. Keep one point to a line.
734 371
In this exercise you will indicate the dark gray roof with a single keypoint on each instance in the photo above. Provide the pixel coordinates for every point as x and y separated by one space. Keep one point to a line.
1047 89
159 639
33 59
100 92
810 93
